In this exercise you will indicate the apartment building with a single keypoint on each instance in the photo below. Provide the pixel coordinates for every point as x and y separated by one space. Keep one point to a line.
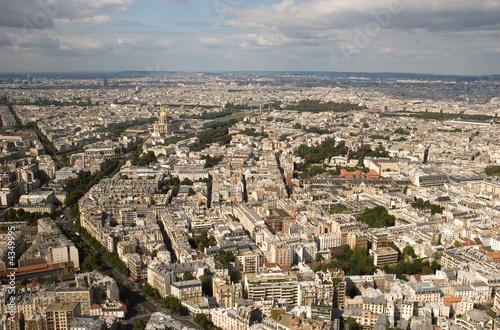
279 285
424 292
60 315
187 290
249 262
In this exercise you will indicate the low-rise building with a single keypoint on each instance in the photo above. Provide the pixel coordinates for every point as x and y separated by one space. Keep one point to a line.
384 256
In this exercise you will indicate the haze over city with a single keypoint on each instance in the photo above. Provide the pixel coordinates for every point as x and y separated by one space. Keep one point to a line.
447 37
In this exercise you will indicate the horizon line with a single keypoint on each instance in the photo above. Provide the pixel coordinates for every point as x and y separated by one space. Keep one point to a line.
250 71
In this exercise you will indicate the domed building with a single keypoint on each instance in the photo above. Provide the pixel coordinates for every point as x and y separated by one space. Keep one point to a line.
161 127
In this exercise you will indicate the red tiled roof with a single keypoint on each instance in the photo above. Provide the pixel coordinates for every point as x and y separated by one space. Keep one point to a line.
447 301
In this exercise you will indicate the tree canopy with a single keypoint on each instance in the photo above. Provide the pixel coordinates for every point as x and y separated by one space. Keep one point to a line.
317 106
140 324
409 251
420 204
224 258
410 267
203 240
377 217
202 320
218 134
351 324
144 159
173 304
366 151
352 262
211 161
326 150
493 170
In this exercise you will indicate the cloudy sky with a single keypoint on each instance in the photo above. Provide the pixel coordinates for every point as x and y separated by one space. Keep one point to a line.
425 36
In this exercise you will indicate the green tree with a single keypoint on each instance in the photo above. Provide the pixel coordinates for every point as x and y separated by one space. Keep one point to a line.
352 262
492 170
140 324
377 217
224 258
187 276
435 266
144 159
409 251
125 292
419 203
317 106
206 285
173 304
203 240
202 320
201 247
211 161
187 182
218 134
150 292
90 263
326 150
427 270
351 324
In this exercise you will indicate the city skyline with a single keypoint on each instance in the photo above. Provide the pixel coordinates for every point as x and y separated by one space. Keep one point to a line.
450 37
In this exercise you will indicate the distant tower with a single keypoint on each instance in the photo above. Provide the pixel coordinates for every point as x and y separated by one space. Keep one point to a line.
426 154
105 81
29 78
160 128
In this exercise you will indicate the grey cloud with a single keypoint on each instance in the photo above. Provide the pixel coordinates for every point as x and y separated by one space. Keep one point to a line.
449 20
318 15
43 41
24 14
12 37
40 14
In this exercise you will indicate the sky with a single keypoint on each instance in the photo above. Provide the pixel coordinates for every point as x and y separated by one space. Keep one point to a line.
426 36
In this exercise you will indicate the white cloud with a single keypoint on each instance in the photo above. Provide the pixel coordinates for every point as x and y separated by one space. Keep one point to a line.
83 43
88 21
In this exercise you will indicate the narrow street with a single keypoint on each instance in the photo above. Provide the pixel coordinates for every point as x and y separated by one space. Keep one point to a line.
140 307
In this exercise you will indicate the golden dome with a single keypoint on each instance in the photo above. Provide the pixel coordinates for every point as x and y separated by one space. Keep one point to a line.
163 112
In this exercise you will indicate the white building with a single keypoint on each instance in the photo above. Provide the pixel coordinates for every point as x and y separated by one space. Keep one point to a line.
327 241
225 318
495 243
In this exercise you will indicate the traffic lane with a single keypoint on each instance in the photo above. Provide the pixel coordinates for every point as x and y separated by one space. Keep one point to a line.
185 320
136 297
